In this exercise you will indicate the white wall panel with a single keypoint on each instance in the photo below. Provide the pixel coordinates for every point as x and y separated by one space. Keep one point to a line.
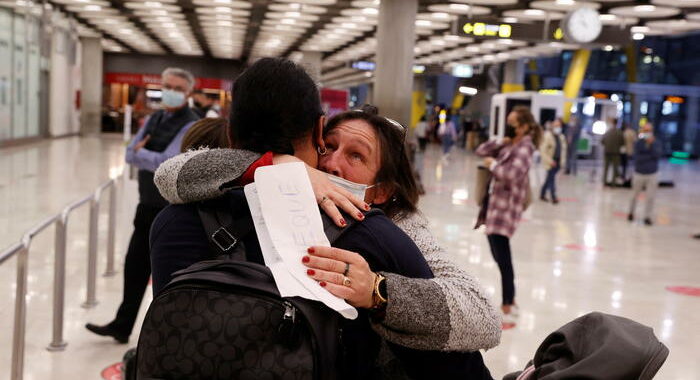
5 74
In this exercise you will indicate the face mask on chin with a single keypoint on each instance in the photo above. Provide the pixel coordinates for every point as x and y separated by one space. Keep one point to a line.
173 99
358 190
557 131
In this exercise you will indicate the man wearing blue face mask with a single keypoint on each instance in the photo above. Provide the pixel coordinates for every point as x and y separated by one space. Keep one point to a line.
158 140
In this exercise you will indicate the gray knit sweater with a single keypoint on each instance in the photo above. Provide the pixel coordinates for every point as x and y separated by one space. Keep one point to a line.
450 312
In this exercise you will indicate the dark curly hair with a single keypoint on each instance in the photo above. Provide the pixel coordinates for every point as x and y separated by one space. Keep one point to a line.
275 102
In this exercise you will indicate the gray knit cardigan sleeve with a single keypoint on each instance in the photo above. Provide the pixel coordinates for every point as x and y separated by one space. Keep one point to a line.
450 312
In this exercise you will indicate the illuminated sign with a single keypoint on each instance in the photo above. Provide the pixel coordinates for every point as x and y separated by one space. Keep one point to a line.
599 95
533 32
675 99
364 65
549 91
418 69
481 29
463 71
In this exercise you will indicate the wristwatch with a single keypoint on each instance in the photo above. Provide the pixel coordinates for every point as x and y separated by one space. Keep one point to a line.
379 298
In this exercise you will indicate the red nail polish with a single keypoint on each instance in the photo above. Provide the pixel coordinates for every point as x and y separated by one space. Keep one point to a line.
343 223
323 284
311 250
360 215
366 207
310 272
305 259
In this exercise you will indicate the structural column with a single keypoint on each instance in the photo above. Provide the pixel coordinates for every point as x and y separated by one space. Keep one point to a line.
393 81
311 61
91 86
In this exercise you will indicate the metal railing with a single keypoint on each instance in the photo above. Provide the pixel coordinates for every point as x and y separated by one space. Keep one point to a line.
21 250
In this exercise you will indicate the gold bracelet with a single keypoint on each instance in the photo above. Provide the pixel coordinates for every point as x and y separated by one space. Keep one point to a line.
377 299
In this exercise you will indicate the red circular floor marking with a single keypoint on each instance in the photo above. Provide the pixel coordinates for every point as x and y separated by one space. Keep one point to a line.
580 247
685 290
507 326
113 372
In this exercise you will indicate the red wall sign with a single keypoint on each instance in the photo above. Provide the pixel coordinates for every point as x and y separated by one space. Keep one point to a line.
334 101
154 79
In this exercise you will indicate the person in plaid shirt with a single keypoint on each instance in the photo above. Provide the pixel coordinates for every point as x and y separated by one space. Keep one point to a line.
509 160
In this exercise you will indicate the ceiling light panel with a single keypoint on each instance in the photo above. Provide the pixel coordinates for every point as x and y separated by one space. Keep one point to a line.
224 25
107 19
164 18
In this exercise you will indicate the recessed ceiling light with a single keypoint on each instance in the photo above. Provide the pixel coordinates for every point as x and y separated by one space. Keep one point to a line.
608 17
423 23
460 7
292 14
534 12
510 20
644 8
441 15
370 11
153 4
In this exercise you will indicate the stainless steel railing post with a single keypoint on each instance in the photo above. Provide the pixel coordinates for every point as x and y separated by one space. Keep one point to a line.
17 361
20 323
91 297
20 314
59 282
111 228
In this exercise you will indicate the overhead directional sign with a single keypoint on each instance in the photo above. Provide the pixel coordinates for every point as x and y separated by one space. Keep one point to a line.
535 32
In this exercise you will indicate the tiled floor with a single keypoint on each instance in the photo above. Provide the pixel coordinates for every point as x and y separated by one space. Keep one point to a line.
579 256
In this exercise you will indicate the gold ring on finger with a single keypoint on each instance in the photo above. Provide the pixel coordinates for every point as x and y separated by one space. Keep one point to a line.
325 198
346 281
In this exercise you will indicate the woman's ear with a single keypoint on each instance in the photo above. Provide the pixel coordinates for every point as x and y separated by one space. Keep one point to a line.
318 132
382 193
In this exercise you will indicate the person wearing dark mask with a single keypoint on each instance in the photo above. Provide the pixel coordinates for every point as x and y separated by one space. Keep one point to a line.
158 140
204 104
509 160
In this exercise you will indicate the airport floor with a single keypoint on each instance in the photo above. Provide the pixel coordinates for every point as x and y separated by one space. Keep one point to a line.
578 256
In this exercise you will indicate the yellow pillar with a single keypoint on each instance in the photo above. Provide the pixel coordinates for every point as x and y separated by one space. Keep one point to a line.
418 107
534 78
631 53
574 78
512 87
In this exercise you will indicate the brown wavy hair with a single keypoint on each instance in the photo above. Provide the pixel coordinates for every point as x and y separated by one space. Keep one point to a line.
525 117
395 170
207 132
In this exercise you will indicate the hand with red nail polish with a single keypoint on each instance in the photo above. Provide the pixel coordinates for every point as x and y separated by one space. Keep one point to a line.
331 198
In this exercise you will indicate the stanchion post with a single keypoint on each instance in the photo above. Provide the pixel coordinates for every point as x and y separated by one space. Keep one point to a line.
111 228
91 298
17 371
59 282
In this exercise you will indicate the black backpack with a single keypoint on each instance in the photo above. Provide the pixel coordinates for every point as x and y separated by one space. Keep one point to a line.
225 319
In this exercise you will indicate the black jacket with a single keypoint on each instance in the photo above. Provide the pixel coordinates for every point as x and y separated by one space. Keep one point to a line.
599 346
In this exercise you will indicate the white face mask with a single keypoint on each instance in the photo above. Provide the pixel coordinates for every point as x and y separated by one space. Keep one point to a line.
557 130
356 189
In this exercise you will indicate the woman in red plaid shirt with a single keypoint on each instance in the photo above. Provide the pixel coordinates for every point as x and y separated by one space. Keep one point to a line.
509 160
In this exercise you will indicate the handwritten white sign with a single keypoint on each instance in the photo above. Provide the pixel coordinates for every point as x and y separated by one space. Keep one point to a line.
287 223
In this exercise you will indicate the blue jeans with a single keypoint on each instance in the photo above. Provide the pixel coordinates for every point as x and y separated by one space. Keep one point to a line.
550 183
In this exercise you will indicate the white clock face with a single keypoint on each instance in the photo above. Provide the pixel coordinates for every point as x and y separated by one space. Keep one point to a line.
582 25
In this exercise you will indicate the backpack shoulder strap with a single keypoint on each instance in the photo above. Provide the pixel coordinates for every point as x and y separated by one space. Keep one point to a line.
224 230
